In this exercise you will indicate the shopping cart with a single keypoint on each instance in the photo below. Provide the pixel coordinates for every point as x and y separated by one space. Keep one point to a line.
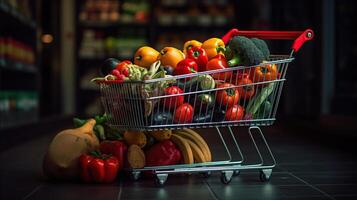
134 105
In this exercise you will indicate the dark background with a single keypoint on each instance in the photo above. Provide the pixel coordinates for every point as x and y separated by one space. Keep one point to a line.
321 87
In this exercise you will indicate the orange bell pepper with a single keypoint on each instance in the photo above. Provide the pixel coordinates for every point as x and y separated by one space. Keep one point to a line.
212 47
266 72
170 56
145 56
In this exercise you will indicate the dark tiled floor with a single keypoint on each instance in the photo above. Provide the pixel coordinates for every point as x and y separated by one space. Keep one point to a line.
307 169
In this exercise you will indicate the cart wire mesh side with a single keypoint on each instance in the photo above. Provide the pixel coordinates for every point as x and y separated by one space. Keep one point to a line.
135 105
221 99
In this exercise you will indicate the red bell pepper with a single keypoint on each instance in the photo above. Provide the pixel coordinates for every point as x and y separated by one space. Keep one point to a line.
199 55
185 66
98 168
219 62
116 148
163 153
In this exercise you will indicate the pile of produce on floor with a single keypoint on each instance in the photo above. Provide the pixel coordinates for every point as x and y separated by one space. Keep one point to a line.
238 96
95 152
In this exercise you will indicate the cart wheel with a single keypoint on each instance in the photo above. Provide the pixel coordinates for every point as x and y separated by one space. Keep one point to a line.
206 174
161 179
236 173
135 176
226 177
265 175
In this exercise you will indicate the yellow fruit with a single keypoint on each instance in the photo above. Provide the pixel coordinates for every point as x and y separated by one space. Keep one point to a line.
197 152
161 135
184 147
196 138
136 157
135 137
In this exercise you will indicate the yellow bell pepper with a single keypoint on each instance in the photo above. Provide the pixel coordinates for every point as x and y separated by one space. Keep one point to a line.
211 47
189 44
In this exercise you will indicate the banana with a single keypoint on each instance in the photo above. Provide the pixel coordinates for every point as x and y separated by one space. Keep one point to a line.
206 152
196 151
195 137
185 148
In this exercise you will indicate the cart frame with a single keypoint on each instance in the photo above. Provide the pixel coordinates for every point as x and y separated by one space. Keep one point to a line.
138 103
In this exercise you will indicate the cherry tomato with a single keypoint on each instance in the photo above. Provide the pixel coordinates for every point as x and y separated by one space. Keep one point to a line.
227 97
174 101
234 113
183 114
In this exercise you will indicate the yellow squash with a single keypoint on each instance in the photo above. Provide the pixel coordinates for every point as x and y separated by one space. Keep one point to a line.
61 159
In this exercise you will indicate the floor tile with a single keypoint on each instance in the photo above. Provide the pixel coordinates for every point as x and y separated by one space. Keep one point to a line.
176 187
76 191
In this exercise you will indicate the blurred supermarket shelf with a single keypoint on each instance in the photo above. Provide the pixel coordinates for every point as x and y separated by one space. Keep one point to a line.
13 12
118 24
17 66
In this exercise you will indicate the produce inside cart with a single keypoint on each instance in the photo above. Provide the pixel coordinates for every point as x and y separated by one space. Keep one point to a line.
153 104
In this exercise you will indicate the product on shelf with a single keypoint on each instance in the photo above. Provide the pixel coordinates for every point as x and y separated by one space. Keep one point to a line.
95 45
17 107
102 11
16 54
18 8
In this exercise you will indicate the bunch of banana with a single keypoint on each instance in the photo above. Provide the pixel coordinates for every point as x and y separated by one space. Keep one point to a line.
193 147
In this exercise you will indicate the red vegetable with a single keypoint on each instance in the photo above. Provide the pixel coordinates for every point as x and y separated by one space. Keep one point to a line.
174 101
219 62
234 113
185 66
117 74
247 91
227 97
184 114
198 54
98 168
116 148
122 66
163 153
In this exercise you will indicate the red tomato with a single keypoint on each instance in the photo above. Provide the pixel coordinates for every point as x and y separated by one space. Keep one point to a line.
229 96
183 114
234 113
174 101
247 91
219 62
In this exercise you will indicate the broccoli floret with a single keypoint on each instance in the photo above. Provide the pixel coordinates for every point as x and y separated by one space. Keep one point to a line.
244 52
262 45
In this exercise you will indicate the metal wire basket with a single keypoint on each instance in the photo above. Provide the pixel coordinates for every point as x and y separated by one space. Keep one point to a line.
134 105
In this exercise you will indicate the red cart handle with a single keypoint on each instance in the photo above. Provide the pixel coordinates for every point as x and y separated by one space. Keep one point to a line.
299 37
